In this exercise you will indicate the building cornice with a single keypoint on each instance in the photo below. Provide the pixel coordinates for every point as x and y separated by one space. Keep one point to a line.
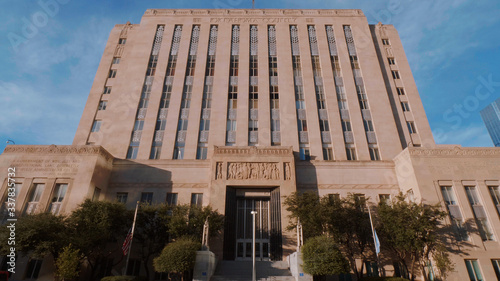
59 149
253 12
455 151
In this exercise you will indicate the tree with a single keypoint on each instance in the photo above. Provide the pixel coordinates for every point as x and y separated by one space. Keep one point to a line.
94 225
68 263
348 223
409 230
306 208
322 257
177 257
189 221
151 232
39 234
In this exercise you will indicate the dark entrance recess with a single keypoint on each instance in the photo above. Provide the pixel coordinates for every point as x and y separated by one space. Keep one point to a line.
230 227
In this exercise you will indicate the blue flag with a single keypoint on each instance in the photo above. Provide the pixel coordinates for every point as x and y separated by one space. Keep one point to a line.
377 242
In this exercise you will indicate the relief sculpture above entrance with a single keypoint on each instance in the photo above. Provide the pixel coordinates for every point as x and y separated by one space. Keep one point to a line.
246 170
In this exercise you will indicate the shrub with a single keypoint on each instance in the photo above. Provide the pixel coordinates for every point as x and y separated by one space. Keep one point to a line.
177 257
322 257
124 278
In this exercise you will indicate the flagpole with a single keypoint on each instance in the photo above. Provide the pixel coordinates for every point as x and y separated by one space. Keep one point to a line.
132 238
374 239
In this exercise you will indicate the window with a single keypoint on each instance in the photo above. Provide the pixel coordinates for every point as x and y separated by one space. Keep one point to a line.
401 91
155 151
411 127
391 61
202 152
384 198
395 74
172 62
116 60
371 268
121 197
496 266
171 199
253 126
474 270
34 198
96 126
374 154
302 125
102 105
197 199
254 97
273 66
354 62
33 269
455 213
405 106
385 41
296 66
191 63
346 126
147 197
57 198
479 214
233 97
233 70
333 196
97 193
112 73
107 90
327 153
132 151
179 150
495 195
368 125
254 66
122 41
323 126
210 66
351 153
231 125
304 153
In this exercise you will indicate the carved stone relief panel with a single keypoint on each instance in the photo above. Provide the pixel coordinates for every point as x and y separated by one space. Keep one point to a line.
246 170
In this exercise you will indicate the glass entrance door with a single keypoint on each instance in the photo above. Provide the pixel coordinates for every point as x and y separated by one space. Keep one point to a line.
244 228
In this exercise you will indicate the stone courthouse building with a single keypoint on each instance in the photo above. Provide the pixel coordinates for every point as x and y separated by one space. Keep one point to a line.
239 108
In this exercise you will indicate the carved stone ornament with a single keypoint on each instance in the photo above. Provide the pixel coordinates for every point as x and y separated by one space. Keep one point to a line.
256 171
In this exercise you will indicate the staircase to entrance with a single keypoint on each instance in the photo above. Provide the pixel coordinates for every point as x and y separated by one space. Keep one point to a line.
242 271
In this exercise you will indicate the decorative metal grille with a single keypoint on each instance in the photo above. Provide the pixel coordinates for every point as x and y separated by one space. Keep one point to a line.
294 37
331 40
272 40
235 41
176 40
158 39
350 40
195 37
212 43
254 46
313 40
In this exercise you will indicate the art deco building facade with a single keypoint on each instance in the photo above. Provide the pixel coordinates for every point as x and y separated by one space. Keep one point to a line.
238 108
491 118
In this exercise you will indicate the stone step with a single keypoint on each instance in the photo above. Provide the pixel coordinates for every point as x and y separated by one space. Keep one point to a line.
242 270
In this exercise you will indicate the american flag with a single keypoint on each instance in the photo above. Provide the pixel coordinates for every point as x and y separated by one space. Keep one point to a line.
126 243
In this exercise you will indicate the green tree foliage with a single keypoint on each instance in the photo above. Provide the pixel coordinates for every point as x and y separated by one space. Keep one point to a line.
94 224
39 234
151 233
189 221
306 208
177 257
68 263
410 231
348 223
321 256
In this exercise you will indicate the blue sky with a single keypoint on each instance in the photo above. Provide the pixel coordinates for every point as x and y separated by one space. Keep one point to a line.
46 74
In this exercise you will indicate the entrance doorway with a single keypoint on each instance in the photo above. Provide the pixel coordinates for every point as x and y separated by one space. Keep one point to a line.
244 228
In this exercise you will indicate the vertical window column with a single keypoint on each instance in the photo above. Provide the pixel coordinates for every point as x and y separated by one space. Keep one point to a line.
341 96
273 87
479 214
233 87
202 150
300 104
186 95
455 214
161 119
324 127
253 114
146 91
363 99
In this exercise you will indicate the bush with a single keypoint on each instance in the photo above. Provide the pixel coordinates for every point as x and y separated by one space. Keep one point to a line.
384 279
68 263
177 257
124 278
322 257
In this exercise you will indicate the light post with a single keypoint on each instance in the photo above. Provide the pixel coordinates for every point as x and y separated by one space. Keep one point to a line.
253 244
